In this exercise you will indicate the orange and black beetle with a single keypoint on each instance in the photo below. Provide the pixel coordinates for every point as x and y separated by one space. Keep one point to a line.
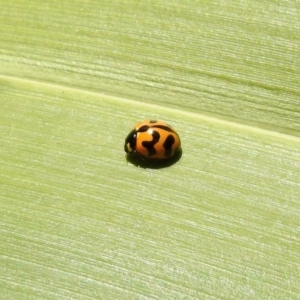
152 140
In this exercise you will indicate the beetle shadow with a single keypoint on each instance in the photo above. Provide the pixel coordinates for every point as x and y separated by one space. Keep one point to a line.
147 163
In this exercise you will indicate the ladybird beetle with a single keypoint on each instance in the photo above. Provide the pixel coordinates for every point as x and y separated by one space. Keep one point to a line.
153 140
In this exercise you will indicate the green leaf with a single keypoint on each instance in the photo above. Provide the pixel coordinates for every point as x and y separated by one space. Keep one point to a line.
80 222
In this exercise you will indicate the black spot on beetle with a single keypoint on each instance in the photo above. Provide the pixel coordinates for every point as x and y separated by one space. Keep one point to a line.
164 127
149 145
168 144
143 128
